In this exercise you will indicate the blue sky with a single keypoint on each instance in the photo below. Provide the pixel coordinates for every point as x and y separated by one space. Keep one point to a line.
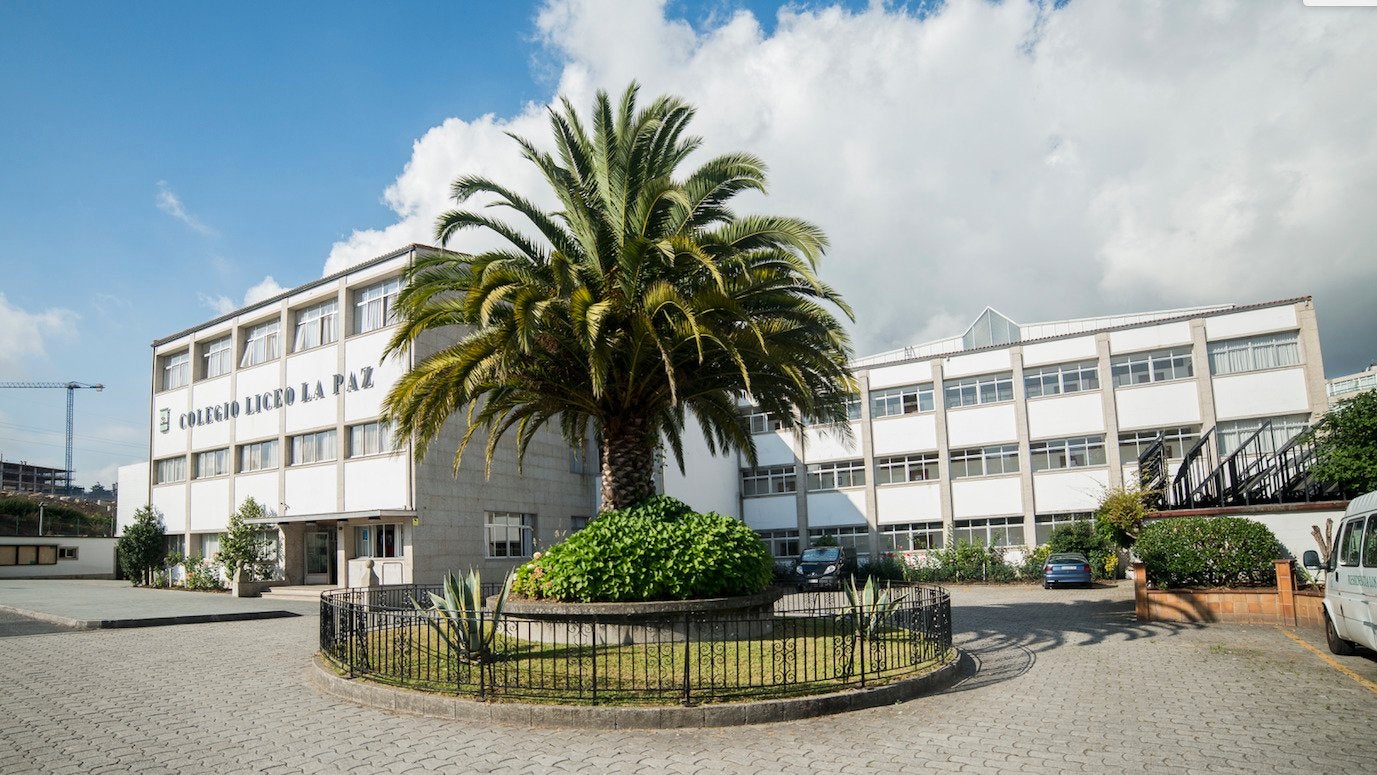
161 158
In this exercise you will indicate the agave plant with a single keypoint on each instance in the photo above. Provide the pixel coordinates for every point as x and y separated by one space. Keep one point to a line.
459 618
869 608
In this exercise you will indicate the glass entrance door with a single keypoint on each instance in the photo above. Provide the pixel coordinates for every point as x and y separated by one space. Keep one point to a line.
320 556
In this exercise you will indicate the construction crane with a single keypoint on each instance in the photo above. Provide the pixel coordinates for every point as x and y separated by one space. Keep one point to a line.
71 388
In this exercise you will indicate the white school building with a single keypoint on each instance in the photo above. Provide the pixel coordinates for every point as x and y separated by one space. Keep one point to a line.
993 436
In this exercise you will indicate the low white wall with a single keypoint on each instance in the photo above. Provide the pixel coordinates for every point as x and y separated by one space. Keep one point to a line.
95 558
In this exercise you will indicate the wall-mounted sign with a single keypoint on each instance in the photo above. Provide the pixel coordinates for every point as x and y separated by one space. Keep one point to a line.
277 398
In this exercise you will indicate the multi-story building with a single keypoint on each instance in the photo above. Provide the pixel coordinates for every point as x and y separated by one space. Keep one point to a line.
281 401
1350 385
1000 434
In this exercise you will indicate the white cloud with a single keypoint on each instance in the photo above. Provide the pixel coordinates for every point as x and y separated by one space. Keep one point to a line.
265 289
222 305
24 335
167 200
1058 163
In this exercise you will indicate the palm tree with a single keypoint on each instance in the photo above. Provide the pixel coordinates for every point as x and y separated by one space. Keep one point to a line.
642 300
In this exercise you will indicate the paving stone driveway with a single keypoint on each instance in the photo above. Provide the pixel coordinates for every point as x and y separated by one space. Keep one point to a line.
1060 681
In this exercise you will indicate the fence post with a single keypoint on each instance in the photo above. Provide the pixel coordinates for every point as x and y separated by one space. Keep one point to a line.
1286 593
593 639
482 662
688 699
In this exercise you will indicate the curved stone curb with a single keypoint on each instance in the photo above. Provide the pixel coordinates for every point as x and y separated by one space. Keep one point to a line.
323 677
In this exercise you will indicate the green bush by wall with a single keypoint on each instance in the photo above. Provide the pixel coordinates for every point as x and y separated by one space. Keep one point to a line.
1208 552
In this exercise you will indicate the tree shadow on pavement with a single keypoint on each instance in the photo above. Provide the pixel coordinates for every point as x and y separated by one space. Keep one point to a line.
14 625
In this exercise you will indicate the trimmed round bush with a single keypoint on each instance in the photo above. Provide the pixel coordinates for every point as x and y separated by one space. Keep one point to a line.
658 549
1208 552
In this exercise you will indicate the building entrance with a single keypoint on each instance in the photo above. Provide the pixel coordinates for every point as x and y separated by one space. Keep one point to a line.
320 556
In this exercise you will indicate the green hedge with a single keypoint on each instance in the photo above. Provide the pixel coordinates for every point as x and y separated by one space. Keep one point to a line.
659 549
1208 552
19 516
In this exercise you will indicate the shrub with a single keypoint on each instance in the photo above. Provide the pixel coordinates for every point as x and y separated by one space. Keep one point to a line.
141 547
886 568
658 549
1092 539
202 574
246 544
1033 563
1121 513
1208 552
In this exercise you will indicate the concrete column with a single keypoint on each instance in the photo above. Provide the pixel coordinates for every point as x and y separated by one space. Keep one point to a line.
943 454
1313 359
1204 382
866 441
293 552
1103 366
1025 467
285 340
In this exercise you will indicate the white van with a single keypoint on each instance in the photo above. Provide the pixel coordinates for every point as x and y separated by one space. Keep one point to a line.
1350 589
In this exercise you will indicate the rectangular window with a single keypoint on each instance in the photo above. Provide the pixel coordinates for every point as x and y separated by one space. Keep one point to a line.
772 480
1077 452
974 391
1370 544
215 462
1233 433
994 531
985 461
210 545
176 370
1065 378
258 457
315 447
375 306
217 357
510 534
909 399
377 541
761 422
856 539
919 467
373 438
832 476
1254 353
1350 543
316 325
1046 523
911 537
261 344
67 553
170 470
853 407
1178 441
783 544
1155 366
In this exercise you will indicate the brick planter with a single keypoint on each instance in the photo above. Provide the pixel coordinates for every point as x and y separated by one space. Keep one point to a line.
1258 605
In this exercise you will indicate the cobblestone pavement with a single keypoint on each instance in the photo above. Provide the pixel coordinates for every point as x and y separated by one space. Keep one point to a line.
1059 681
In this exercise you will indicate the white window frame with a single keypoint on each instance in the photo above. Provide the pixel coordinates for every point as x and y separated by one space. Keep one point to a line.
1229 434
375 305
761 422
903 469
1146 368
1132 444
1061 379
768 480
978 391
507 531
1074 452
314 447
378 541
1254 353
1044 524
783 544
177 370
217 357
853 537
169 470
258 456
836 475
316 325
375 438
992 527
911 537
996 460
899 401
217 460
262 343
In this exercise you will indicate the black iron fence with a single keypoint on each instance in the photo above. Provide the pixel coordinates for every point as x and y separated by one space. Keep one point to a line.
804 643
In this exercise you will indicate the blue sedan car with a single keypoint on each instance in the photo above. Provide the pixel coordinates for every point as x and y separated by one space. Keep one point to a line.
1066 568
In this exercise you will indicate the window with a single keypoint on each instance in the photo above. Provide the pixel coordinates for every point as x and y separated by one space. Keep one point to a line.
172 469
921 467
853 407
67 553
1066 378
985 461
377 541
995 531
762 422
175 543
781 543
315 447
973 391
1178 441
210 545
1079 452
176 370
260 346
215 462
913 536
1233 433
374 306
259 456
1254 353
315 325
1155 366
217 357
373 438
1351 542
1369 544
830 476
773 480
857 539
1046 523
509 534
901 400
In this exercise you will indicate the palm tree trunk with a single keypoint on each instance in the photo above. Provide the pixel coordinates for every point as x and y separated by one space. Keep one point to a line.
628 463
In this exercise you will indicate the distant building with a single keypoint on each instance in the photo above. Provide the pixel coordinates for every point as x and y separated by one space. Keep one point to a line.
20 476
1350 385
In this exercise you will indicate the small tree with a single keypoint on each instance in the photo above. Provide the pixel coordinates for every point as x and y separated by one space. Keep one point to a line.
1121 512
142 546
244 543
1346 445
